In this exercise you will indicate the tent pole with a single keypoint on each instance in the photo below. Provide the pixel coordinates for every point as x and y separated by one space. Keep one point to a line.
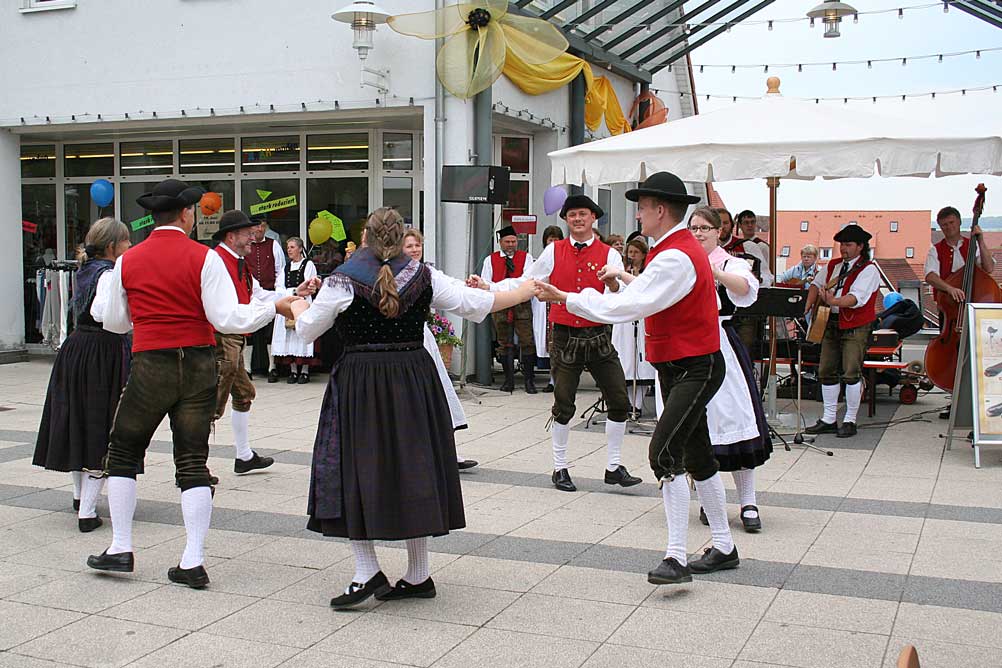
773 183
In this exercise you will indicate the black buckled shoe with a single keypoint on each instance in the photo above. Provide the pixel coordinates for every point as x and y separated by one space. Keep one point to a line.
292 379
548 389
846 430
945 413
196 577
562 481
356 593
822 427
751 524
669 572
123 562
404 589
702 517
467 464
621 477
88 524
273 376
714 560
303 378
252 464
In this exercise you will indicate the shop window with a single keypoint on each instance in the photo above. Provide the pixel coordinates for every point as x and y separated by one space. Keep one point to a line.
270 154
785 251
136 217
804 225
207 156
398 151
38 161
398 192
341 152
89 160
277 200
518 201
80 213
146 158
910 252
894 226
206 226
38 246
346 198
515 154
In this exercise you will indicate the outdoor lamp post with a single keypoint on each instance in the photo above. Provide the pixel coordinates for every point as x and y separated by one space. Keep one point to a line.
364 16
831 12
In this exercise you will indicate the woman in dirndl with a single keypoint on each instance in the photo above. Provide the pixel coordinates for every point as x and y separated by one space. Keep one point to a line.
384 459
87 379
286 346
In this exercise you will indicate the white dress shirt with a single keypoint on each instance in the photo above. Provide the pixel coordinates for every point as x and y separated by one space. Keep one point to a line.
219 299
543 267
932 259
866 283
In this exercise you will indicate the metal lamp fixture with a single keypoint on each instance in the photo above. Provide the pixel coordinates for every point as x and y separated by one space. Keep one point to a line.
363 16
831 13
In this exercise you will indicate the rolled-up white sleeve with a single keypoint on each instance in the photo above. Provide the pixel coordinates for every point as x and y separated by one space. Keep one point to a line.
470 303
663 283
740 267
332 299
932 262
865 285
219 299
111 304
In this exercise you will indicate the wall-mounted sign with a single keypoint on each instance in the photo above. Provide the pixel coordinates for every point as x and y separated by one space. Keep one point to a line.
337 225
524 224
140 223
273 205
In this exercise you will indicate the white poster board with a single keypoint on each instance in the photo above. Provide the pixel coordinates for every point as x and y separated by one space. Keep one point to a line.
984 343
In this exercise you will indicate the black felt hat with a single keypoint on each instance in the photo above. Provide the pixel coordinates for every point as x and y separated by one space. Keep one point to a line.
170 195
232 221
664 185
853 233
508 231
580 202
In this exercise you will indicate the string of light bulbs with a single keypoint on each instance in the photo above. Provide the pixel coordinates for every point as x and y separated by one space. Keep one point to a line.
869 62
844 98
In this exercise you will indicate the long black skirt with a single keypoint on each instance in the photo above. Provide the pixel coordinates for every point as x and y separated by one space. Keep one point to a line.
756 451
384 462
86 382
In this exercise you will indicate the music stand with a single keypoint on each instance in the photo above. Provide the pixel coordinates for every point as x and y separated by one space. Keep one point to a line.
642 428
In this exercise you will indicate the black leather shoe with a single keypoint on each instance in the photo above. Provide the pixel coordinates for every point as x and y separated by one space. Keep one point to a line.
714 560
88 524
291 380
196 577
621 477
562 481
702 517
822 427
467 464
252 464
303 378
751 524
76 504
669 572
124 562
376 586
945 413
847 430
404 589
548 389
273 376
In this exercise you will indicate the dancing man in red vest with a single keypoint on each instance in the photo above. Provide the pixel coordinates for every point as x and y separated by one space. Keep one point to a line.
572 265
267 265
173 293
677 296
509 262
851 289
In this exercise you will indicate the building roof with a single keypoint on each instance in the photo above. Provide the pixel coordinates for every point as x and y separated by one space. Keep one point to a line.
897 270
713 197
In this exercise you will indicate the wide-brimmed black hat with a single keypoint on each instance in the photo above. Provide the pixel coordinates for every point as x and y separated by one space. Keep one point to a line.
508 231
232 221
580 202
664 185
170 195
853 233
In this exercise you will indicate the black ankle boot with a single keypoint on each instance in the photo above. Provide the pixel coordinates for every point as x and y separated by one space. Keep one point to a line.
508 364
529 371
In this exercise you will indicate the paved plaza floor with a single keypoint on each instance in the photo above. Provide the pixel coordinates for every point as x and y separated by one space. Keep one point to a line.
891 541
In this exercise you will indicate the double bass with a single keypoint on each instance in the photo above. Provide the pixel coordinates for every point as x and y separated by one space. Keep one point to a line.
979 287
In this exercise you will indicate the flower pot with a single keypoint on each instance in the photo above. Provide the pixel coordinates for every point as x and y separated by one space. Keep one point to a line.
446 351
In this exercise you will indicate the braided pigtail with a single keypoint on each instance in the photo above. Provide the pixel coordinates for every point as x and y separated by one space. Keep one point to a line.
384 234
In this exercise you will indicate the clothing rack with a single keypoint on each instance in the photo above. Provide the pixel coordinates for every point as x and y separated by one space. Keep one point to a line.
63 274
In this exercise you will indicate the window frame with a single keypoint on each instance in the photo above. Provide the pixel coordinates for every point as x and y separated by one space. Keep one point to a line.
894 226
909 252
784 251
805 225
31 6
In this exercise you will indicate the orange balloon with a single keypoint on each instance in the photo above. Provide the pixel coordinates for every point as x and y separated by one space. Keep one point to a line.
211 203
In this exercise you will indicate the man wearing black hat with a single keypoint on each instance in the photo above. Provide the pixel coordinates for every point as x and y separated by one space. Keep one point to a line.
509 262
235 234
173 293
572 265
851 289
677 296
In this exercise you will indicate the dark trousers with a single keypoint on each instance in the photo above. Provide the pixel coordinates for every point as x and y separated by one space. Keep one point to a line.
179 383
681 440
572 350
511 321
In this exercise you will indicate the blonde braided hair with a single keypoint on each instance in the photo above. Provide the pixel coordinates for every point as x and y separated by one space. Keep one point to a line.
384 235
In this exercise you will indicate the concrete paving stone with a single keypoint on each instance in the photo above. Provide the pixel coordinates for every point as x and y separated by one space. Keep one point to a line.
943 655
684 632
865 523
834 487
101 642
893 488
758 664
8 491
562 617
931 555
941 530
844 582
253 578
458 604
46 499
595 585
951 625
965 513
16 578
567 526
617 656
804 646
863 556
544 498
263 523
488 573
986 596
246 500
461 542
969 492
529 549
317 554
231 544
66 554
878 507
179 607
88 592
754 573
713 598
832 612
834 538
22 622
280 623
13 515
318 588
12 660
395 639
312 658
201 650
496 648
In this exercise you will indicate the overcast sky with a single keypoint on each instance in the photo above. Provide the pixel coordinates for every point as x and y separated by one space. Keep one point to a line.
920 32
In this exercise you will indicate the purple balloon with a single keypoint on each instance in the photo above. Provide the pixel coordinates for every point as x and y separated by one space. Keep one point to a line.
553 199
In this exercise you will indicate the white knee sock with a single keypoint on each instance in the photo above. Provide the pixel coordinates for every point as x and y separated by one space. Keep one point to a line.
675 494
241 438
830 395
91 490
366 564
122 504
196 506
292 367
853 394
714 501
614 433
304 369
744 480
417 560
559 434
77 477
271 360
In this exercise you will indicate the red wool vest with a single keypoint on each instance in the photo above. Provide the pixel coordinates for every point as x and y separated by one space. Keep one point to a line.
849 318
243 286
162 278
735 245
573 271
944 252
689 327
498 272
262 262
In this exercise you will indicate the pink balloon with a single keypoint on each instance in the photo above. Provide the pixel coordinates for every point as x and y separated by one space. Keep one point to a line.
553 199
